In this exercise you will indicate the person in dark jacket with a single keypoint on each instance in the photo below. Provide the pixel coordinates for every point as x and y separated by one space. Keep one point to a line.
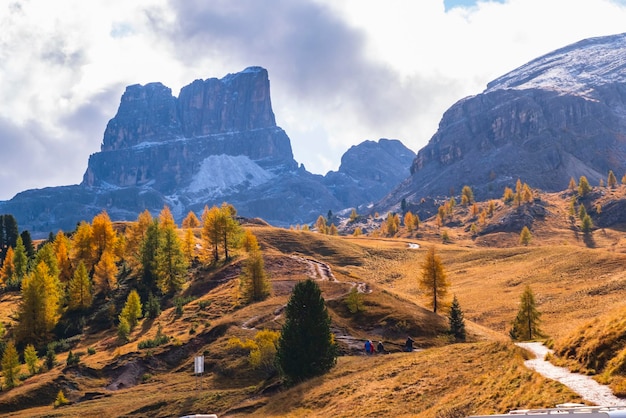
408 346
380 348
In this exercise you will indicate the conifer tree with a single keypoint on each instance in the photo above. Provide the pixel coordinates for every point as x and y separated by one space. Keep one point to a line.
526 324
527 194
332 230
474 209
306 347
217 230
7 272
10 365
392 223
408 221
320 224
31 359
467 196
586 224
456 320
28 244
132 309
250 242
79 292
611 180
123 329
508 195
61 246
105 275
572 184
83 247
583 186
624 179
20 263
104 236
491 208
525 236
171 261
353 215
191 221
254 282
135 236
189 245
38 312
46 254
230 229
149 252
433 280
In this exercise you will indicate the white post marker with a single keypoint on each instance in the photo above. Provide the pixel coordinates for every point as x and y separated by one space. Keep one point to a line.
198 369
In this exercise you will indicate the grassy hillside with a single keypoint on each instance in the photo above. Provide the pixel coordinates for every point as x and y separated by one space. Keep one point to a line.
576 278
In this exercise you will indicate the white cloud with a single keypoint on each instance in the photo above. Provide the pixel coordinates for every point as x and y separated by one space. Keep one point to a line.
340 72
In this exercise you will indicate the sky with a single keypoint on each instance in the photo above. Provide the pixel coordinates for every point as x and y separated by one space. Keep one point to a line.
341 72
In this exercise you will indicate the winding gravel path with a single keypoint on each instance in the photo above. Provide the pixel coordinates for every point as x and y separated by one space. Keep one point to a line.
585 386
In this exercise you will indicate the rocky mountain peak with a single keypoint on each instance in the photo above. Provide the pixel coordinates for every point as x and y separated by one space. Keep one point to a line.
571 70
560 116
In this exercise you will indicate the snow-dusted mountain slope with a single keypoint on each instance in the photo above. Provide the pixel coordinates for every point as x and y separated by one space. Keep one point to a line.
573 69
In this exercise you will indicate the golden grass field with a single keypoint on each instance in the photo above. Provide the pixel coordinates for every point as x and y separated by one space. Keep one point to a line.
574 286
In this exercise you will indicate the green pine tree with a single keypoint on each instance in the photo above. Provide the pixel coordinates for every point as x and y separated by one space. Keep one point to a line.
456 321
306 346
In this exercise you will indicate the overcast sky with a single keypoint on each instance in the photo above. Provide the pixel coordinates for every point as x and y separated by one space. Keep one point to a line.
341 72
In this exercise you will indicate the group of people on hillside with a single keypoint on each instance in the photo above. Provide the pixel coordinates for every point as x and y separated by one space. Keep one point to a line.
380 348
369 347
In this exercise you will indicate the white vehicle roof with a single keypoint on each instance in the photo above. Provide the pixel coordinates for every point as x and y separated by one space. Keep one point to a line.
567 411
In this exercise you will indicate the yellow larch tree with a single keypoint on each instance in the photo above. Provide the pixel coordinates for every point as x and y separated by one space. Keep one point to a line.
408 221
39 311
105 274
83 248
191 221
171 260
7 272
104 236
433 280
61 246
79 289
135 235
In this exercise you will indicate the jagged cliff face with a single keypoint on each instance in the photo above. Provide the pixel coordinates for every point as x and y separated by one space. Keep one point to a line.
165 141
562 115
218 141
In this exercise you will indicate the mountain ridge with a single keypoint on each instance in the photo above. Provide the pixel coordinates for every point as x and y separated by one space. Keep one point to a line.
218 141
546 122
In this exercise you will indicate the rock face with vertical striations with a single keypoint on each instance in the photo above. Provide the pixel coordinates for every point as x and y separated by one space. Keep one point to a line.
216 142
560 116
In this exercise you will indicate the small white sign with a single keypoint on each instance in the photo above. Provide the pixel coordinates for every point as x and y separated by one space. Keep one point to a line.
198 365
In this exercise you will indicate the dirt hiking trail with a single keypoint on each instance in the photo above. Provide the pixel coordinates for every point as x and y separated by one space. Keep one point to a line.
585 386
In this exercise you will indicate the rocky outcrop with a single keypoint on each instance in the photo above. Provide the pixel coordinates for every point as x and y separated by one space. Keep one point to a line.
369 170
560 116
218 141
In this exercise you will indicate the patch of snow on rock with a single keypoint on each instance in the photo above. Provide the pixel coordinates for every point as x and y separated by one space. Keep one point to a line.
223 172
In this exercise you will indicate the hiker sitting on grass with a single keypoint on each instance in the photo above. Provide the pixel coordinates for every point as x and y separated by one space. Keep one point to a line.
408 346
